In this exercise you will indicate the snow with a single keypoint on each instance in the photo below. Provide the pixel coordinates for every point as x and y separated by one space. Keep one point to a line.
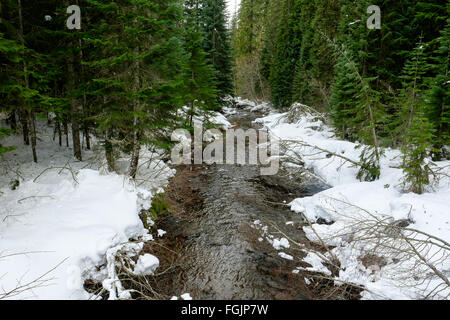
64 222
285 256
215 118
219 119
67 218
186 296
146 265
281 243
348 205
161 233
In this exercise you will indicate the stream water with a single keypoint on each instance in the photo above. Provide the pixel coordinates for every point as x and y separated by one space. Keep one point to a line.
222 257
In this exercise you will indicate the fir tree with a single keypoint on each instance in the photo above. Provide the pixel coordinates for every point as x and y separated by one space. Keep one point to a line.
286 53
199 81
136 61
438 95
217 43
248 28
359 110
418 132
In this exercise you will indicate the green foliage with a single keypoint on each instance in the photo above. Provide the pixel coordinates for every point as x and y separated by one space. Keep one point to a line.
367 79
134 60
217 43
159 207
418 131
285 55
199 82
438 94
3 133
249 47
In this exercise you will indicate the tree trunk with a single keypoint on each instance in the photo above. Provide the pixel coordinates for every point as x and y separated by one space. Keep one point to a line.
58 130
136 131
24 122
84 106
136 152
86 135
31 120
29 116
109 154
13 121
74 113
66 131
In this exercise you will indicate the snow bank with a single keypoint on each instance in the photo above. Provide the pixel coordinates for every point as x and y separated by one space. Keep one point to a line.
68 218
350 205
64 224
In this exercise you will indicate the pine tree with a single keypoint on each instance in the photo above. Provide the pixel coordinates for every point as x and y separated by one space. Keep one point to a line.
418 132
26 86
217 43
9 56
318 21
248 28
438 95
342 103
136 59
358 109
285 56
198 76
350 68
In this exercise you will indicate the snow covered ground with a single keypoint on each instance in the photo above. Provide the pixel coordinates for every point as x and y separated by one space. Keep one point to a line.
384 239
66 218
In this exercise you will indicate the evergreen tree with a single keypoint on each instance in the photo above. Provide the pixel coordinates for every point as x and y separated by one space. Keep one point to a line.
418 132
438 95
199 81
353 83
9 57
27 81
217 43
318 21
136 62
248 29
285 56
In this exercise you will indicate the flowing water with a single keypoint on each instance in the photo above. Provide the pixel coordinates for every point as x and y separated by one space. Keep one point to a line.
222 257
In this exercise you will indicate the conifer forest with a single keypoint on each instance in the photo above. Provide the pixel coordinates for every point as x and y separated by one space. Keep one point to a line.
224 150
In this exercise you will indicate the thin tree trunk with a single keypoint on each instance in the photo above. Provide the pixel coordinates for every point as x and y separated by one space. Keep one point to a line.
86 135
136 132
66 131
109 153
136 152
58 128
74 113
31 120
109 148
13 120
84 106
24 122
136 137
30 114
